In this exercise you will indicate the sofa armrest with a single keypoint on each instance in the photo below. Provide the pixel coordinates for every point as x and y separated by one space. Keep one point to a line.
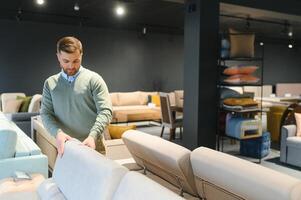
29 164
286 131
23 116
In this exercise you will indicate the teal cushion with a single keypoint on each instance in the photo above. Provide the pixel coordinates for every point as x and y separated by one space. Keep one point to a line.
8 140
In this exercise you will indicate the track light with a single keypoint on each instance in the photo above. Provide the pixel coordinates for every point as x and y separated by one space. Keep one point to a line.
261 43
144 30
76 7
290 46
290 31
120 11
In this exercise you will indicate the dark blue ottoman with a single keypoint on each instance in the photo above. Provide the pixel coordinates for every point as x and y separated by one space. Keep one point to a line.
256 147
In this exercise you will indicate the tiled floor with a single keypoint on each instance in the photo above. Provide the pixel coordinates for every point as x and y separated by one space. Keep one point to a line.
271 161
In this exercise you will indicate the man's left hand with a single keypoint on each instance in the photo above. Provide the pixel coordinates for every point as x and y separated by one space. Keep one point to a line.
89 141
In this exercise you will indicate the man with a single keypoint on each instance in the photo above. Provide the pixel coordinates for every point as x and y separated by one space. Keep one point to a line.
76 101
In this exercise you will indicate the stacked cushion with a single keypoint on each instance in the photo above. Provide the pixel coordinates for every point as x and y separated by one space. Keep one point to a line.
8 140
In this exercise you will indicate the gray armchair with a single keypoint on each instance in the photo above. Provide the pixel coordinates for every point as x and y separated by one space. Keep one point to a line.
290 149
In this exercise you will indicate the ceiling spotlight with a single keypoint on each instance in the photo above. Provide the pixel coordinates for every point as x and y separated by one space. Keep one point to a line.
40 2
144 30
120 11
290 46
76 7
290 31
261 43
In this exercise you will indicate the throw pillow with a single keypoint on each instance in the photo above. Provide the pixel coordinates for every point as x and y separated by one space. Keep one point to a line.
12 106
240 102
240 70
240 79
25 103
156 100
242 44
117 131
298 122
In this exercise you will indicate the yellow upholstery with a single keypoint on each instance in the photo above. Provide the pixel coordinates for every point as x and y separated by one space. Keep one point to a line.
156 100
274 120
117 131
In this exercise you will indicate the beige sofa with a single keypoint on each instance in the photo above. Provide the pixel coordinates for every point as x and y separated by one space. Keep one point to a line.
207 173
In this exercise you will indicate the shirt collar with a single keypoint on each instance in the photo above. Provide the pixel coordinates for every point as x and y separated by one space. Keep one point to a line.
70 79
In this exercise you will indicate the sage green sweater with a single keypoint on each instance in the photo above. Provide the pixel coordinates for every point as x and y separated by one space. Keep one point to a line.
80 109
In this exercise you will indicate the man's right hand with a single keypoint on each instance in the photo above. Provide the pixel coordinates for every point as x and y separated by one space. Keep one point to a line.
61 138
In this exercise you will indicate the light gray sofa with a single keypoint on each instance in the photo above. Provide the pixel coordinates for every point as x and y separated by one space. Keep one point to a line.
82 173
214 175
290 146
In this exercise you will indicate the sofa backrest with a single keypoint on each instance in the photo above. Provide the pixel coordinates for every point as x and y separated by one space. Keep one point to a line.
163 158
288 88
82 173
179 97
135 186
130 98
222 176
35 103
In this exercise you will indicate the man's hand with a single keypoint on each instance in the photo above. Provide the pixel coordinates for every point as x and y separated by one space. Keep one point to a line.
61 138
89 141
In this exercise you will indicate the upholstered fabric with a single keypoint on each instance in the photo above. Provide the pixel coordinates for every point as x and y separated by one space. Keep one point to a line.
240 70
8 140
156 99
242 45
135 186
48 190
13 105
154 153
144 96
298 122
35 103
78 164
288 88
8 96
179 98
241 78
172 98
114 98
129 98
116 131
25 103
240 178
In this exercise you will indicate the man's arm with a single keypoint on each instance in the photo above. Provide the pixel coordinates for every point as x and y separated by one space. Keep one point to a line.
103 104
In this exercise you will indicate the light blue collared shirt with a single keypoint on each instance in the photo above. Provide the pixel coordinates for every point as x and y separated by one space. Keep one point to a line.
70 79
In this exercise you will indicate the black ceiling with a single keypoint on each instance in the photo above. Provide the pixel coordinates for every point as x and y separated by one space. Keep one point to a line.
157 15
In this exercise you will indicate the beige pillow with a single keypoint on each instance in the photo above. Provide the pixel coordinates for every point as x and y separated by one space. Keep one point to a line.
12 106
242 45
298 122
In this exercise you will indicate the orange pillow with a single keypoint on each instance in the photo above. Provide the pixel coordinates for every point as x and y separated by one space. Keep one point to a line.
298 122
117 131
156 100
240 78
240 70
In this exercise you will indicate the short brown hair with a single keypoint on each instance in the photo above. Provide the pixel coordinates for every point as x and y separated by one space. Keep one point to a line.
69 45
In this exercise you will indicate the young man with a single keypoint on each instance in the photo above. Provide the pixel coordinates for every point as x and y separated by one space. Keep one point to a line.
76 101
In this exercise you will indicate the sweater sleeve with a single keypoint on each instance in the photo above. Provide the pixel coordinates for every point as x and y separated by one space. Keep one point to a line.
47 111
103 104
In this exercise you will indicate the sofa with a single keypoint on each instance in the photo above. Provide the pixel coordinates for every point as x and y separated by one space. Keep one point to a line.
18 152
290 146
115 148
10 107
207 173
82 173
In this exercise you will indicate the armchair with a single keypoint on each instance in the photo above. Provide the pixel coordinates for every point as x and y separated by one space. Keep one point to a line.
290 147
21 119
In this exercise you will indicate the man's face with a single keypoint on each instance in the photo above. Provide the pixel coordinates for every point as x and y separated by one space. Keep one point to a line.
70 62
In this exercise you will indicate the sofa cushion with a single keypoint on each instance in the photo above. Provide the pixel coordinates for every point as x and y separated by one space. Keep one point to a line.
83 173
156 99
25 103
153 153
13 105
114 98
130 108
240 177
242 44
129 98
144 96
48 190
8 140
294 142
116 131
136 186
8 96
298 123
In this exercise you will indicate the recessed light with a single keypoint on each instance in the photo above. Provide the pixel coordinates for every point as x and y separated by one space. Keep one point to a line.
261 43
40 2
290 46
290 33
120 11
76 7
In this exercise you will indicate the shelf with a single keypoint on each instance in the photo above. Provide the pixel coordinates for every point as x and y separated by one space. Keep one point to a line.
239 85
243 111
242 59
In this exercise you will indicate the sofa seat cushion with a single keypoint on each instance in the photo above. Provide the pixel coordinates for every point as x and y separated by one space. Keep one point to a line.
48 190
98 176
8 140
294 142
154 153
241 177
148 189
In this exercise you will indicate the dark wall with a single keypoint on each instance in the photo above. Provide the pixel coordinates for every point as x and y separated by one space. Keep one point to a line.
126 61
